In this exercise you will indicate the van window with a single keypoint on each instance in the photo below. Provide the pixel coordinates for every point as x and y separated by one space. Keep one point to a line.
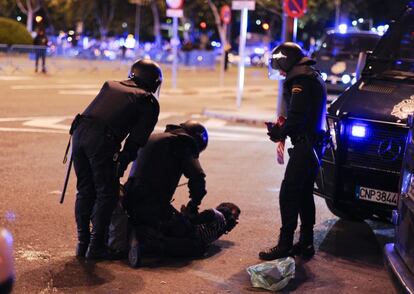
347 46
395 54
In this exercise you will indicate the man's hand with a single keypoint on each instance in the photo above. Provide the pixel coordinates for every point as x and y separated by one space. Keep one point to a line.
273 131
190 210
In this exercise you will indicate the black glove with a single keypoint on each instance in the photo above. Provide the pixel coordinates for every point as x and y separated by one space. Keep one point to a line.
190 210
273 131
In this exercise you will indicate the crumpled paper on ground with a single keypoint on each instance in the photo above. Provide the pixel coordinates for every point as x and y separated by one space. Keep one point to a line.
272 275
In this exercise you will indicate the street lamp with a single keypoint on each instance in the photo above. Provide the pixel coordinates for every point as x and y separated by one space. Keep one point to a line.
38 18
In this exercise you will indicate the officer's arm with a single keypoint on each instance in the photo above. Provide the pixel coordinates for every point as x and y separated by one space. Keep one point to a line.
298 108
204 217
196 179
147 119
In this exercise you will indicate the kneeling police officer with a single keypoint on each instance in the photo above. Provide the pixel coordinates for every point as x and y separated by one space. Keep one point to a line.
126 109
305 95
158 168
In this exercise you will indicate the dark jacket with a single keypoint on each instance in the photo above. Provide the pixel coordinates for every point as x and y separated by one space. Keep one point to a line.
161 163
40 40
305 93
127 110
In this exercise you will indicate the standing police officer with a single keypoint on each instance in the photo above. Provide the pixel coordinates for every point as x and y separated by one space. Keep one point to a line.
127 108
305 93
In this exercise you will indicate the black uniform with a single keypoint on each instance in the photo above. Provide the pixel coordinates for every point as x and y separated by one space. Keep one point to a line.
306 93
156 173
120 109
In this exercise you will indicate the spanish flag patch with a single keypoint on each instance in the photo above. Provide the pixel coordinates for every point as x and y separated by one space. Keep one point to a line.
296 89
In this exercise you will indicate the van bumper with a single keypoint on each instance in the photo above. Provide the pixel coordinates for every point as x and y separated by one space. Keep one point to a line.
402 277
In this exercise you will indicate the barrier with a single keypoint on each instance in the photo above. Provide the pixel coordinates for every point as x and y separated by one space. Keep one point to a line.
3 56
22 58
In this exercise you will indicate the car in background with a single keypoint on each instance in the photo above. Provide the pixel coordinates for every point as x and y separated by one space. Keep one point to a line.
399 256
337 56
360 169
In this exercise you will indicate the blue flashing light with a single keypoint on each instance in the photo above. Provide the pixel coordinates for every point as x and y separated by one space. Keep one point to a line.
359 131
343 28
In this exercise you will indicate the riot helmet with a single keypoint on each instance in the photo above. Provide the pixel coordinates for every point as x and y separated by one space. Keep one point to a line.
147 74
284 57
198 132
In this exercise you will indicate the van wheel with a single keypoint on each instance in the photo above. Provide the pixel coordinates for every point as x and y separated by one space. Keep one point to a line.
344 212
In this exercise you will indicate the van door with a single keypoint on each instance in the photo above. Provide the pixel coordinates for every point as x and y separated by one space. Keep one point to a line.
405 228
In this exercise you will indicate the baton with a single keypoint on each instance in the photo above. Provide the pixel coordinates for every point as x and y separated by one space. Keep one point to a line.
65 184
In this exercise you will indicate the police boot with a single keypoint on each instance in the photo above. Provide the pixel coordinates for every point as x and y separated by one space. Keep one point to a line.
304 248
282 249
97 248
83 236
134 253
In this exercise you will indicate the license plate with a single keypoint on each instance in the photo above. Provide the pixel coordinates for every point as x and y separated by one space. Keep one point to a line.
378 196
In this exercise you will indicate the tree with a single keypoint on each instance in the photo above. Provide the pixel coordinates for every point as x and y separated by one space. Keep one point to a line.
7 7
104 14
29 7
157 26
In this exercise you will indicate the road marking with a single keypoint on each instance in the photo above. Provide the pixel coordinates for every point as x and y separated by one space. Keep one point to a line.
273 189
214 123
79 92
47 122
55 86
14 78
26 130
218 130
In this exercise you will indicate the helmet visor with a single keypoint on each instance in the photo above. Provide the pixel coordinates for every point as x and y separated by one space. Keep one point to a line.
274 74
157 92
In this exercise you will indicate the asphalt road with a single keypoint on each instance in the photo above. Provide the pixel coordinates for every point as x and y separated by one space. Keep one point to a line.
35 113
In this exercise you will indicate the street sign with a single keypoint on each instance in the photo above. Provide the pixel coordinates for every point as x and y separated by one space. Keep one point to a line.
243 4
295 8
225 14
175 4
175 13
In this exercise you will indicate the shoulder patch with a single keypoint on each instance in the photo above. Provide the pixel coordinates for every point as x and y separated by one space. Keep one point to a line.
296 89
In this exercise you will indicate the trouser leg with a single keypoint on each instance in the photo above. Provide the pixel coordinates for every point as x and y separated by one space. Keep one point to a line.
85 197
296 195
36 61
307 208
107 190
44 61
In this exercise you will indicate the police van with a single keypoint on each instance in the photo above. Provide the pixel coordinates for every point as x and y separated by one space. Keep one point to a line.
360 169
337 56
399 256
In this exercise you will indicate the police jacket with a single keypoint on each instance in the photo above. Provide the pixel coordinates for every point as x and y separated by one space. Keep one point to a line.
163 160
127 110
305 93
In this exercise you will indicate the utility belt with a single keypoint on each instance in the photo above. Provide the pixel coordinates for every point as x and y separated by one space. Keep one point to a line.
80 118
319 139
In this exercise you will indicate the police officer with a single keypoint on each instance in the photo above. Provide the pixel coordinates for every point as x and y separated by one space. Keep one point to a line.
121 109
154 177
305 94
158 168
